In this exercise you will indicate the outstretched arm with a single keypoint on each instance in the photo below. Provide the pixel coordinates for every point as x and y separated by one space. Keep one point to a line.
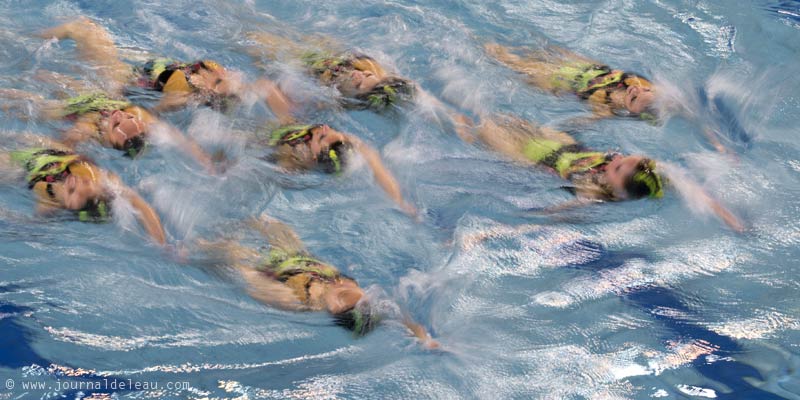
382 175
94 44
420 333
185 143
724 214
461 123
145 214
276 100
692 192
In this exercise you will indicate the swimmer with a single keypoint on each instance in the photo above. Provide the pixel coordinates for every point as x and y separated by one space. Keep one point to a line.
202 82
299 147
610 92
362 82
110 122
64 180
288 277
594 176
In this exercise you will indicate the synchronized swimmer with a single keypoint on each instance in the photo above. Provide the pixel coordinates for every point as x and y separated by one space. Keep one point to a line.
288 276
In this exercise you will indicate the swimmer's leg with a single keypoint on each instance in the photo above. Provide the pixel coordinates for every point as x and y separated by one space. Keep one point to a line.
539 72
279 235
10 172
67 82
502 139
229 251
563 55
267 45
20 101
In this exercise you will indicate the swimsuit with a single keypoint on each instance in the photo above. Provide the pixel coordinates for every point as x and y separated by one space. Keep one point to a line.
167 75
298 271
566 160
585 79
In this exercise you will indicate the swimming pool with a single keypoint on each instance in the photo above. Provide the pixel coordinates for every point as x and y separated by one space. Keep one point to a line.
642 299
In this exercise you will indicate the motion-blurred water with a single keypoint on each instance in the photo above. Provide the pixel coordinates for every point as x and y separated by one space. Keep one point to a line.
631 300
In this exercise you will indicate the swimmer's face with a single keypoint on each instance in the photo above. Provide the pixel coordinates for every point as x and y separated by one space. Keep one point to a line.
618 171
215 80
342 296
75 191
358 82
122 126
638 98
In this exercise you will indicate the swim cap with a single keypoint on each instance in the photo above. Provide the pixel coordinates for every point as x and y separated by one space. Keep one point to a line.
645 181
96 210
360 319
210 65
633 79
134 146
93 102
86 170
335 158
389 91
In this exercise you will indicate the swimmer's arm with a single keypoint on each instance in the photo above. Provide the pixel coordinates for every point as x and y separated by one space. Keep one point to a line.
420 333
723 213
187 144
713 138
146 215
382 175
95 45
276 100
462 124
694 191
470 240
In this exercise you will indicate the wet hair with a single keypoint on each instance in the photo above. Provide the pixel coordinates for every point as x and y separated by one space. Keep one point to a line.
359 319
335 159
389 91
644 181
133 146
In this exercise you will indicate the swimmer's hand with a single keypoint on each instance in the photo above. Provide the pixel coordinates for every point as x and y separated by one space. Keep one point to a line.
464 127
410 210
422 335
178 252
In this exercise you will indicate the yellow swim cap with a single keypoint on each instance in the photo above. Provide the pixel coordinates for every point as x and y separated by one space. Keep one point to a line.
211 65
85 170
638 81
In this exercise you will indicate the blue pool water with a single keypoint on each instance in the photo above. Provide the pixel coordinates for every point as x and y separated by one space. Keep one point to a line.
639 300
